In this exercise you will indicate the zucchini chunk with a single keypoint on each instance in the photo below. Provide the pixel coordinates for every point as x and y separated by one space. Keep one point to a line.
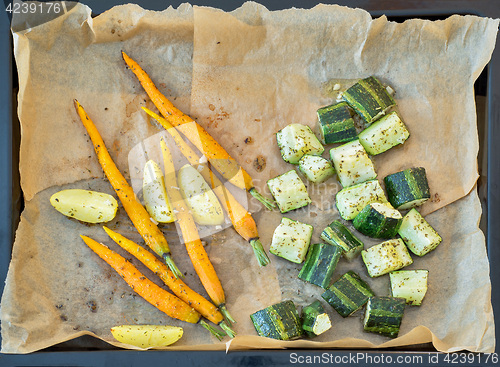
85 205
315 321
338 234
410 285
295 140
316 169
321 261
348 294
351 200
386 257
383 315
336 124
289 191
378 221
291 240
352 164
201 200
384 134
418 234
280 321
407 189
369 99
154 194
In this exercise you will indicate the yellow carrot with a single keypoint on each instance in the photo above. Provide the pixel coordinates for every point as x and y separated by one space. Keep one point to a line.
180 289
241 219
152 293
203 141
141 219
192 241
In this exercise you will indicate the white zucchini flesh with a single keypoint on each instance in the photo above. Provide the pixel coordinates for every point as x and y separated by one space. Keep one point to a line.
384 134
352 164
385 257
296 140
316 169
289 191
418 234
201 200
351 200
154 194
291 240
85 205
410 285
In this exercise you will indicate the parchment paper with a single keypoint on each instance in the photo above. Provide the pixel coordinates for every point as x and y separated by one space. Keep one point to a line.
242 74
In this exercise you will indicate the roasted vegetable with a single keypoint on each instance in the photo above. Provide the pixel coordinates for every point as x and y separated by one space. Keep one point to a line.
407 189
348 294
291 240
315 321
320 264
352 164
296 140
147 336
383 315
378 221
386 257
338 234
410 285
280 321
289 191
316 169
85 205
155 195
418 234
351 200
336 124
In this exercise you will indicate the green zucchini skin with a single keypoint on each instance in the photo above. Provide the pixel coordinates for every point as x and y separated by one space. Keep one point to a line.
336 124
348 294
321 261
280 321
369 99
338 234
407 189
315 320
351 200
372 222
383 315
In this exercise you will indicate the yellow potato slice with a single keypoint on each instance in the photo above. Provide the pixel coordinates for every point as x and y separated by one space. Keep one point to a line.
147 336
201 200
155 195
85 205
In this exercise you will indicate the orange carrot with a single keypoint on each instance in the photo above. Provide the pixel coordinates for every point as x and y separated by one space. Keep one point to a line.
180 289
152 293
192 241
200 138
241 219
141 219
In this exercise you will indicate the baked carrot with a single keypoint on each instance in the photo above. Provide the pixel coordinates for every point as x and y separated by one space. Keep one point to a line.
196 251
176 285
152 293
241 219
141 219
204 142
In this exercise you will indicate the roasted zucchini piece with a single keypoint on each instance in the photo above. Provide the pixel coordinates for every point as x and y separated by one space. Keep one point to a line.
378 221
386 257
320 264
407 189
280 321
316 169
369 99
351 200
384 134
289 191
296 140
383 315
352 164
336 124
315 320
410 285
418 234
291 240
338 234
348 294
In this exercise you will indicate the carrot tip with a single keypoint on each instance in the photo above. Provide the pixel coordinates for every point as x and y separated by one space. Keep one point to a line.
223 310
230 332
170 263
259 252
217 333
269 204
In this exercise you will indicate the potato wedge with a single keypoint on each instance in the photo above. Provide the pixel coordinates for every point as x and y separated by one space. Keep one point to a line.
201 200
155 195
85 205
147 336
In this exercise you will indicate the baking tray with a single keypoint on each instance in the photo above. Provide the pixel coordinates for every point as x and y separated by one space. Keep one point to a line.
86 351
